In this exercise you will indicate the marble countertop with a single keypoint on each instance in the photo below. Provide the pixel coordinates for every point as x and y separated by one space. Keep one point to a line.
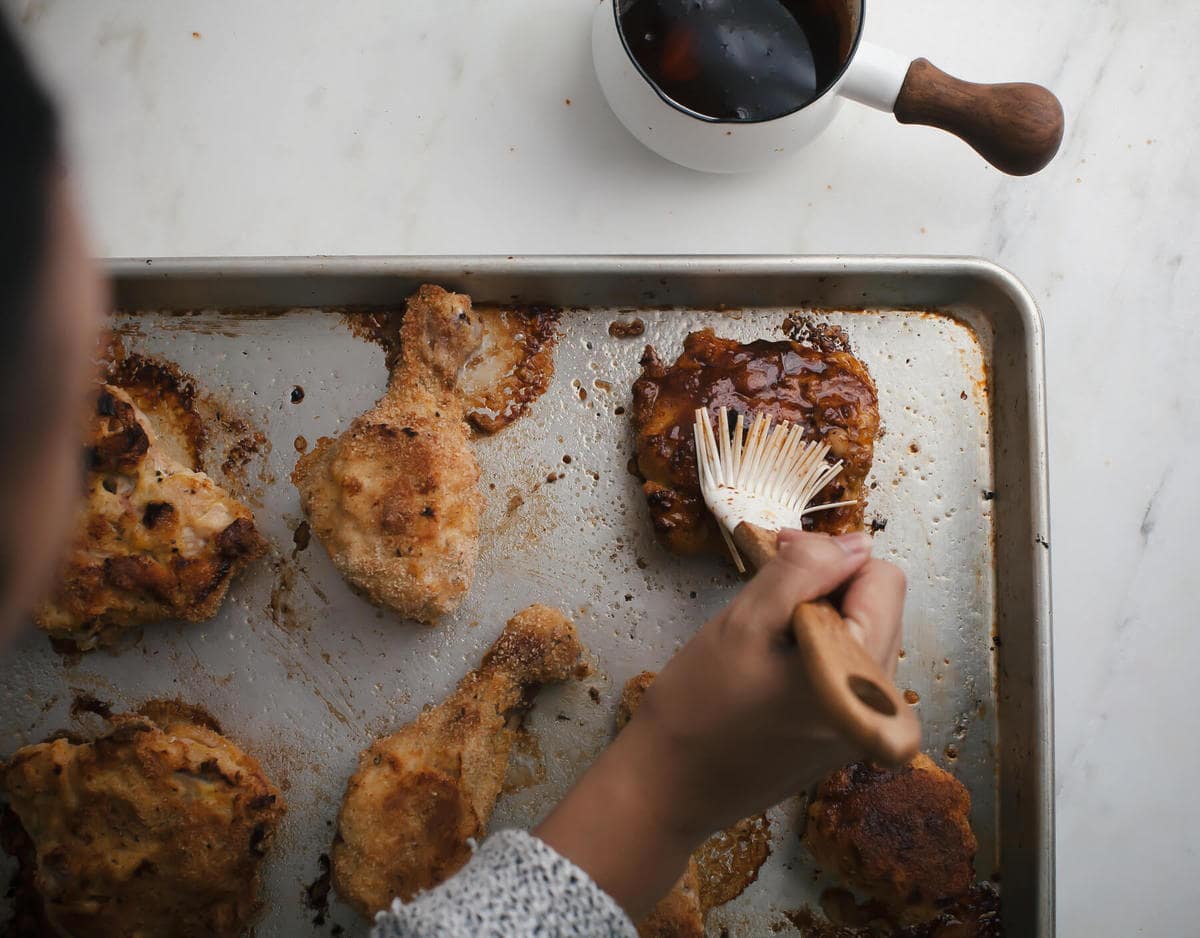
308 127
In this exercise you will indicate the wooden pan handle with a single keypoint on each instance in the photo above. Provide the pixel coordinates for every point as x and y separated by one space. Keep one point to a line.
848 684
1016 127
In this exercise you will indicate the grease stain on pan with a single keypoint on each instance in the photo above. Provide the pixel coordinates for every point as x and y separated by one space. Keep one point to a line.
513 367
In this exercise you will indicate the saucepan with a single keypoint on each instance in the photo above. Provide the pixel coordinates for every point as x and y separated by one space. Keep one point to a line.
653 83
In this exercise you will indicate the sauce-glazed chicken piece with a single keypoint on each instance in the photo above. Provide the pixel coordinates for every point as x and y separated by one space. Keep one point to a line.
153 829
156 540
903 837
420 795
824 389
395 499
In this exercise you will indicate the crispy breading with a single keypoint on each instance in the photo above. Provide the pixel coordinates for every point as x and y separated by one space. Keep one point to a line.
150 830
631 696
395 499
903 837
679 913
824 389
419 795
156 540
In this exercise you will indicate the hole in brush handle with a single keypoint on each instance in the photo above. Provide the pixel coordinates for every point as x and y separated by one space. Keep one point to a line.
852 689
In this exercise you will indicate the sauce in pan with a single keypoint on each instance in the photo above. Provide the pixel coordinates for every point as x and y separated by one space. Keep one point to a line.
738 60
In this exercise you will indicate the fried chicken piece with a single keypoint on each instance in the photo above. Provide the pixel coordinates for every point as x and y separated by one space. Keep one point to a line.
631 697
155 541
150 830
679 913
395 498
729 860
818 386
720 869
419 795
903 837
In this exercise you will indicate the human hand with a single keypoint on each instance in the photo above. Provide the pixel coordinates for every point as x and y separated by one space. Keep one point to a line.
731 719
729 727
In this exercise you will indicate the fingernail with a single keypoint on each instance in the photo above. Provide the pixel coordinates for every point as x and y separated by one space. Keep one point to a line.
854 544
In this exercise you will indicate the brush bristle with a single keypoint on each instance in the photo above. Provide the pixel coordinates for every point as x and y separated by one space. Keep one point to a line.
767 464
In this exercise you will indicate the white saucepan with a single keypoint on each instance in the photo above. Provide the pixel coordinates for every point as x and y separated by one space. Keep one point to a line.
1015 127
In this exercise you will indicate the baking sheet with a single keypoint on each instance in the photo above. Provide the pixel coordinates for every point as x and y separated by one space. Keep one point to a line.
304 674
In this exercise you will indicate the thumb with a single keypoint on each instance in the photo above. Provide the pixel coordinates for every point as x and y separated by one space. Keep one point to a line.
807 567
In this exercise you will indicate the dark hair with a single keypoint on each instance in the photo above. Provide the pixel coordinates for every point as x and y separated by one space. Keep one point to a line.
28 165
28 156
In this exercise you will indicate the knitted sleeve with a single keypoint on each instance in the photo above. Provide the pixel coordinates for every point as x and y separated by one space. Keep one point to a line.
514 886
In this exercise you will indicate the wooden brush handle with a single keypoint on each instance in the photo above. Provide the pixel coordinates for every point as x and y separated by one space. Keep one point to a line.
1016 127
848 684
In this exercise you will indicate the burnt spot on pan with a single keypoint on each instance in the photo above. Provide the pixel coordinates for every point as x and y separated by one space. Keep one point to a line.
82 702
814 334
626 328
513 367
316 893
194 427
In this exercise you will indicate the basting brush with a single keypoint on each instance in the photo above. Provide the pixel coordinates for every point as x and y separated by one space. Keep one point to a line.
758 481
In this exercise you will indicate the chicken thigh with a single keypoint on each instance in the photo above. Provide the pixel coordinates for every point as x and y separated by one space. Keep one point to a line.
159 827
155 540
817 384
901 836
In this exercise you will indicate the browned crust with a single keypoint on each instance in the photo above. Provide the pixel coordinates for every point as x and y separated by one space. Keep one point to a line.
903 837
679 913
147 830
631 696
539 644
394 500
399 860
729 861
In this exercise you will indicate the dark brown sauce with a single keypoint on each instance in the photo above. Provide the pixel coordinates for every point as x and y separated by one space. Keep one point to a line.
738 60
829 394
84 702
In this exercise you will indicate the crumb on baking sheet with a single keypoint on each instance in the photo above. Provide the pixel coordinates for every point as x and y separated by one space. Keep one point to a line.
626 328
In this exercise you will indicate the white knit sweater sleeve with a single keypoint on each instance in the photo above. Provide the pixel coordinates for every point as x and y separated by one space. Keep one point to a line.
515 886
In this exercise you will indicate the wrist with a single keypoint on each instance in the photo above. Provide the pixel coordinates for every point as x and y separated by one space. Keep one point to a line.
619 826
649 768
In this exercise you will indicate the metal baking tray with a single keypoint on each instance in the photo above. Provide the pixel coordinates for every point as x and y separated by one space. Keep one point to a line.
303 673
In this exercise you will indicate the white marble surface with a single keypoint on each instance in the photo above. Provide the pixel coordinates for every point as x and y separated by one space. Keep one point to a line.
308 127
